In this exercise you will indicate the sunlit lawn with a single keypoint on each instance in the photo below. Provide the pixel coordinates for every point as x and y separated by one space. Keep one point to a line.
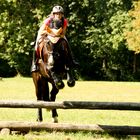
20 88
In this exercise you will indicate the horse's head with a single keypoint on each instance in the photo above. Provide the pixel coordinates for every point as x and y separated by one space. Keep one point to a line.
53 59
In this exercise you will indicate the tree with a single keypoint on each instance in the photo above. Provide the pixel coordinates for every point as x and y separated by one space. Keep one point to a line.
95 34
104 34
19 22
133 32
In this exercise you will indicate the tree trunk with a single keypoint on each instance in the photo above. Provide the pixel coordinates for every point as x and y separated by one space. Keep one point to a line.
134 63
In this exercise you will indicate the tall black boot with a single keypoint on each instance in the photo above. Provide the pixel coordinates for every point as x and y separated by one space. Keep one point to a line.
34 66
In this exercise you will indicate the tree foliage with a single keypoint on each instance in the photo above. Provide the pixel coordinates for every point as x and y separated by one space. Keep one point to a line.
95 33
133 35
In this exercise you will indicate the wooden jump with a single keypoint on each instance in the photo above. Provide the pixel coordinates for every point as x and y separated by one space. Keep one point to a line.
39 126
71 105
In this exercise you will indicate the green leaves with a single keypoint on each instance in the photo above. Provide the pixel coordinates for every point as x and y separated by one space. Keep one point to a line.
95 32
132 33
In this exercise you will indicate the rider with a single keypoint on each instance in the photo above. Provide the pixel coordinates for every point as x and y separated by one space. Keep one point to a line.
55 21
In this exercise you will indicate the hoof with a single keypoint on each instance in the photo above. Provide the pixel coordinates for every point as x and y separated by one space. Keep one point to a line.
59 85
55 119
38 120
70 78
71 83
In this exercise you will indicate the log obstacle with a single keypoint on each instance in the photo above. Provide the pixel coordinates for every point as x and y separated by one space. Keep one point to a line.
39 126
28 126
71 105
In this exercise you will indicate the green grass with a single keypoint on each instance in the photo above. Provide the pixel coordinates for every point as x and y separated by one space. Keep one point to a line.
20 88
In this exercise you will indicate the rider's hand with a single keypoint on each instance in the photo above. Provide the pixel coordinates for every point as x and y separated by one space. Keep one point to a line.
43 32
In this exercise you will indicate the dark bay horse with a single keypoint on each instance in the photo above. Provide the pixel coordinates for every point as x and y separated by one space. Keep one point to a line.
53 64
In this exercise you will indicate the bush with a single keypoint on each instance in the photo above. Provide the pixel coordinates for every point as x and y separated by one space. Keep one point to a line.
6 70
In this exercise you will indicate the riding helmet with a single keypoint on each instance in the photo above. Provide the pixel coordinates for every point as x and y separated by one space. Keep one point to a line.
58 9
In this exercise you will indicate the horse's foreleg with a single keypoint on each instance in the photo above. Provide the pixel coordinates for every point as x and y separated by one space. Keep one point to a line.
70 78
59 84
52 98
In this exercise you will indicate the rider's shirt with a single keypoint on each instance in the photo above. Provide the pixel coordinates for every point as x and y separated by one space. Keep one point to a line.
49 22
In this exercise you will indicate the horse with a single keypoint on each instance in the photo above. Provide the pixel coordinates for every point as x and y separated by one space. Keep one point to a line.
53 66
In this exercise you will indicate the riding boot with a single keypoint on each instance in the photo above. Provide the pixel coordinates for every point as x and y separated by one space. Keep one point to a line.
34 66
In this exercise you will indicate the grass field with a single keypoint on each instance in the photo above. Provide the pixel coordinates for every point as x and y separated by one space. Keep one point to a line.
20 88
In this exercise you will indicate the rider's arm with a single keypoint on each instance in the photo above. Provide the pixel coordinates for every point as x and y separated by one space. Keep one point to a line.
42 30
54 32
45 30
49 31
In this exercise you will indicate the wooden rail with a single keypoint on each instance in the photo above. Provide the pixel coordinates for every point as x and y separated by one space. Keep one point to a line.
71 105
39 126
27 126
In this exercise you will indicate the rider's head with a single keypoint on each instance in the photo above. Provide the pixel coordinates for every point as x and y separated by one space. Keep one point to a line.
57 9
58 12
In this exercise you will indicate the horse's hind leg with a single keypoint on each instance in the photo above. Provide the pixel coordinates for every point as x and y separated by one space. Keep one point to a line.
43 95
54 92
37 82
39 98
39 115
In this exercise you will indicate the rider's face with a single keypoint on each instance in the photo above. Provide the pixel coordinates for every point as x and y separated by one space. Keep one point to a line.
57 15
